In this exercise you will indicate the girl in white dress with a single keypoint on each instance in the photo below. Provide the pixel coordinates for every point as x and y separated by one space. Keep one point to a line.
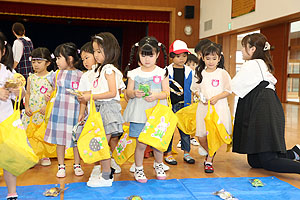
214 85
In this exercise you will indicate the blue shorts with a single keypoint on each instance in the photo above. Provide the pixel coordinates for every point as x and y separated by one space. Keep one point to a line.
135 129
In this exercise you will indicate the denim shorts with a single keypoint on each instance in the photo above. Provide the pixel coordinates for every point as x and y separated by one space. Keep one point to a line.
135 129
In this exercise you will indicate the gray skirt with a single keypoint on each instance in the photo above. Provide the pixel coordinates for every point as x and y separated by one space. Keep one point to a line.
111 116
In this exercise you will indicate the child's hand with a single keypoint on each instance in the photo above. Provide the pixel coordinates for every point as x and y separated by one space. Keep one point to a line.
47 96
43 110
28 111
4 94
151 98
84 97
214 100
15 91
80 118
139 93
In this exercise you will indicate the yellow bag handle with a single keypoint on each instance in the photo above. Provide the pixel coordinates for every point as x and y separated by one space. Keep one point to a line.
55 86
92 105
18 100
33 113
208 110
168 99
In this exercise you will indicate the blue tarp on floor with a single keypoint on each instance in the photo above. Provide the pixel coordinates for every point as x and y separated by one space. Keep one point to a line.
192 189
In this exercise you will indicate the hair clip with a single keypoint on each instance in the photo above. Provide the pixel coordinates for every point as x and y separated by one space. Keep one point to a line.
78 51
30 58
52 56
136 44
267 46
98 37
5 43
159 44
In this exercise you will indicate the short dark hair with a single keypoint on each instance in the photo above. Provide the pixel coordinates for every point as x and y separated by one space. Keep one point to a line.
192 57
87 47
202 44
18 28
172 54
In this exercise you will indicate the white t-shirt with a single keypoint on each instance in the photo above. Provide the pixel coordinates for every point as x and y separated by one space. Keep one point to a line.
85 83
6 107
18 49
100 85
250 75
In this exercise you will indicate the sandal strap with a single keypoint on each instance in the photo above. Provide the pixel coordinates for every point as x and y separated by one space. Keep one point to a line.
61 167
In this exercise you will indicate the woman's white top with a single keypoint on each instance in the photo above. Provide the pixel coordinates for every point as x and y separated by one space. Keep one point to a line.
18 49
250 75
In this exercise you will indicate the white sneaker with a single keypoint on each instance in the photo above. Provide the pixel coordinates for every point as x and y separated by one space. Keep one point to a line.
165 167
96 172
160 173
194 142
139 176
45 162
202 151
115 166
179 144
100 182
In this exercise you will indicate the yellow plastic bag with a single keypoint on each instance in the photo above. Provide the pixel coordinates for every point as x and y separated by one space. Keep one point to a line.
1 172
216 132
187 119
125 147
92 143
15 153
159 127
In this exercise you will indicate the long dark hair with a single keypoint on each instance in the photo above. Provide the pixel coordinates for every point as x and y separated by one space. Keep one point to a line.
111 49
7 59
213 48
146 46
66 50
258 40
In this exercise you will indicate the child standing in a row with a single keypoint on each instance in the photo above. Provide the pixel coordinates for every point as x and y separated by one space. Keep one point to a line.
37 86
66 107
106 79
157 79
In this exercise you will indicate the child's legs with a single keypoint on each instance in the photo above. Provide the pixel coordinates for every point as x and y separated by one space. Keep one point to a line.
168 152
76 155
113 143
203 142
185 141
60 150
105 164
11 182
158 156
139 153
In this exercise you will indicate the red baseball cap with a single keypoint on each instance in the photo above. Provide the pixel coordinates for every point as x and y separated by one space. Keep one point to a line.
179 47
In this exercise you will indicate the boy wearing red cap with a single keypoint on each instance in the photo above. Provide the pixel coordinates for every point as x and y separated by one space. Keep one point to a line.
180 81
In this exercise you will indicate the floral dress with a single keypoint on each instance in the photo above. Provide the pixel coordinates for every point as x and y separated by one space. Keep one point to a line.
38 87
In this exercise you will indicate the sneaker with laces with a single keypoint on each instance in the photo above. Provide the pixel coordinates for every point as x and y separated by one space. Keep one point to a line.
45 162
188 158
170 160
77 170
115 166
179 144
160 173
61 173
202 151
165 167
208 168
194 142
139 176
96 172
100 182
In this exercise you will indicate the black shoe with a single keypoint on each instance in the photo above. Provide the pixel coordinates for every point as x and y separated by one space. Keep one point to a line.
187 158
12 198
296 149
170 160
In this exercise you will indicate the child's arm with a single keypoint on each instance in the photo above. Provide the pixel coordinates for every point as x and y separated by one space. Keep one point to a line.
162 95
28 111
216 98
131 93
4 94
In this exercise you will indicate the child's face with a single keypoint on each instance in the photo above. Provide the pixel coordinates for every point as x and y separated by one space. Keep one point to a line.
180 59
148 61
88 60
98 53
40 65
62 62
211 61
191 64
248 52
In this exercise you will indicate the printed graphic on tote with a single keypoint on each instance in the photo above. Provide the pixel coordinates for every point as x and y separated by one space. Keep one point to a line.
43 89
96 144
18 123
161 129
75 85
95 83
215 82
122 144
157 79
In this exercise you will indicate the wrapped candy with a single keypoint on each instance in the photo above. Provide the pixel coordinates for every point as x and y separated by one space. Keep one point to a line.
18 80
74 92
53 192
256 182
145 88
225 195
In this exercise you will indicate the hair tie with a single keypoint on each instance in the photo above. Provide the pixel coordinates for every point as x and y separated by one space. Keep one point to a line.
30 58
5 43
136 44
267 46
78 51
98 37
52 56
159 44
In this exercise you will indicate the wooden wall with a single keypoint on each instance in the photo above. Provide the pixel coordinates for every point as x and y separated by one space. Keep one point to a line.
177 23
